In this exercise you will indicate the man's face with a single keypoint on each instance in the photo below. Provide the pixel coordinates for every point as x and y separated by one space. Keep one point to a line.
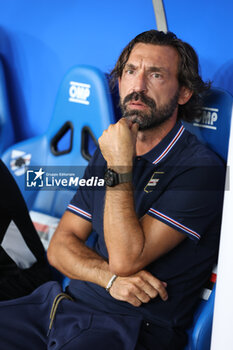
149 88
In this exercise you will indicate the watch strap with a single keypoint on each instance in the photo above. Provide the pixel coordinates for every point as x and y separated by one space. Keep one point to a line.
112 178
126 177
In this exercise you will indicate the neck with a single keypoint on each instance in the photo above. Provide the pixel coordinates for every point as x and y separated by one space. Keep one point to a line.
148 139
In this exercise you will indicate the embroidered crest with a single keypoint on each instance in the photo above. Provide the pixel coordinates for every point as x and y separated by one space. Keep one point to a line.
153 181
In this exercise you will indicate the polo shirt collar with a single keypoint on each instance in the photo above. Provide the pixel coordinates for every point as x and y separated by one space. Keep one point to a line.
161 150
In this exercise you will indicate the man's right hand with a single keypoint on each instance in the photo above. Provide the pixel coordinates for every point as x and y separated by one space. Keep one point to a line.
138 288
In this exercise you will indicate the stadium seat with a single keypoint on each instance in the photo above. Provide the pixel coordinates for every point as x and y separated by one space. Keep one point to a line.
7 135
213 129
200 334
83 109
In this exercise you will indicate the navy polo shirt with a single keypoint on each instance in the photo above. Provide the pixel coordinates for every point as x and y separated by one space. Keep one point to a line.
179 182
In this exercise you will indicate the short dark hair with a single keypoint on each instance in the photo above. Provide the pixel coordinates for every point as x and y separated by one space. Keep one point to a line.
188 69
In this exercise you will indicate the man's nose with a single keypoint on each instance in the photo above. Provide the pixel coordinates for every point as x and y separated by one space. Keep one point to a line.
140 83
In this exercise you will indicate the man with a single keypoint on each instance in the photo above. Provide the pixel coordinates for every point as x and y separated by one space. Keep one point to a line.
23 263
157 219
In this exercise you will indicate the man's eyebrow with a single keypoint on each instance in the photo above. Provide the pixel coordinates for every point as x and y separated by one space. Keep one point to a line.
149 69
156 69
130 66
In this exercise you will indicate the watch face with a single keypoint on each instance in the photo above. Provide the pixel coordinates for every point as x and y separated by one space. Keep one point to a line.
110 178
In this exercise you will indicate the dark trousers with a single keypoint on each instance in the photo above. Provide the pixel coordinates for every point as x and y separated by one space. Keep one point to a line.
24 325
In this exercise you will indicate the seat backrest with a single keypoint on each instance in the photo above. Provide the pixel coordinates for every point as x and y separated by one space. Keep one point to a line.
84 100
213 129
82 111
7 135
200 334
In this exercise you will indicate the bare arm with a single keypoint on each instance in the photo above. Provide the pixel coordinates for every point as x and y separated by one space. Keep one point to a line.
132 243
68 253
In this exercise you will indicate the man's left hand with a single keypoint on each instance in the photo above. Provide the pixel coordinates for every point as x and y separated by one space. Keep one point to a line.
138 288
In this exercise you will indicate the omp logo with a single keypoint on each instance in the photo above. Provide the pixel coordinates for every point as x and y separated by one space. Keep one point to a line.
208 119
79 92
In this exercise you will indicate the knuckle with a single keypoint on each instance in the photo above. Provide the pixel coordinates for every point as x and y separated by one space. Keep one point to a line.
160 288
138 280
141 273
157 283
129 289
132 288
143 296
126 293
144 273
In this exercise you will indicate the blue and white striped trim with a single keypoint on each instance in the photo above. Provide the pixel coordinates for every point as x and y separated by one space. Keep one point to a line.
174 223
170 146
80 211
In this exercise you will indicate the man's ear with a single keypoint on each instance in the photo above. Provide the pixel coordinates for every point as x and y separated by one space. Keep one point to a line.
185 95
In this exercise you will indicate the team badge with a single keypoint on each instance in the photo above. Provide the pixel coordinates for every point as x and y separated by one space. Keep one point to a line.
19 162
153 181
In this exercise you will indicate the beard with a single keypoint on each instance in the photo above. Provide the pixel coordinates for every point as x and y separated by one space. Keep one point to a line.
154 117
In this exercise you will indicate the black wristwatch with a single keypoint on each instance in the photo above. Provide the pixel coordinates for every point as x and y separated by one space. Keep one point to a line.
112 178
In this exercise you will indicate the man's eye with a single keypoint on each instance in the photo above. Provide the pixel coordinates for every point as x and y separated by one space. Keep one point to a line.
156 75
129 71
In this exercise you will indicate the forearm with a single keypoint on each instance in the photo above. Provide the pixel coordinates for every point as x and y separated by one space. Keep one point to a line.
124 235
75 260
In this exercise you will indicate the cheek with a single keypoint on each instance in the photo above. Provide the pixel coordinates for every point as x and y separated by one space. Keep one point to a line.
166 93
123 92
126 84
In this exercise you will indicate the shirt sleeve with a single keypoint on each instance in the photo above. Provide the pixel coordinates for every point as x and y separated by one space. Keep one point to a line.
82 202
192 202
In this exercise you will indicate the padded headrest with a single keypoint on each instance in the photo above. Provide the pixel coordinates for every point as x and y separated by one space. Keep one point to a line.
213 128
84 105
83 99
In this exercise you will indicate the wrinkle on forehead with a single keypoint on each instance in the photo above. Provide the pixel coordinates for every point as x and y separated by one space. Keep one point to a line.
154 56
